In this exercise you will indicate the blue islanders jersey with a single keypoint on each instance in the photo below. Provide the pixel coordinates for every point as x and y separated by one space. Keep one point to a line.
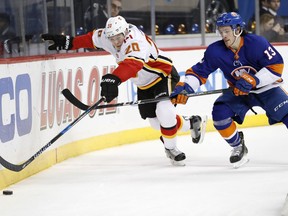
254 54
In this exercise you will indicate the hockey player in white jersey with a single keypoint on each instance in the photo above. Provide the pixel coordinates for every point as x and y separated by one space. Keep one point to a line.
148 67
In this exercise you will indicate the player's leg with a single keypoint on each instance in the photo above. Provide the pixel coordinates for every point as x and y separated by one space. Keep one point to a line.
275 103
196 124
285 121
166 115
226 110
162 116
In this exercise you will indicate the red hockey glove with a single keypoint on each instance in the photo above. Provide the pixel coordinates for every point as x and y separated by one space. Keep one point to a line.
244 85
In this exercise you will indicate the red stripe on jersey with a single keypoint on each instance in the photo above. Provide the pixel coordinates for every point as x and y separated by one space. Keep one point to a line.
169 132
83 41
160 67
128 68
179 122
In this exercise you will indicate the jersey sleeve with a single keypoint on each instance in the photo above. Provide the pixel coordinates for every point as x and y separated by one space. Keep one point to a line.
271 62
198 73
99 39
270 58
128 68
83 41
92 40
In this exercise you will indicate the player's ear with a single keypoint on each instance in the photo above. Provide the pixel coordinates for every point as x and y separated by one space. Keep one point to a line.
238 30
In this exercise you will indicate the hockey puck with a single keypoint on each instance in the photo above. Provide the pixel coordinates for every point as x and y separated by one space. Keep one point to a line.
7 192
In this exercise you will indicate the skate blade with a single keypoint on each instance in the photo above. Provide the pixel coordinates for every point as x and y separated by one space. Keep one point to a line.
177 163
284 211
240 163
203 128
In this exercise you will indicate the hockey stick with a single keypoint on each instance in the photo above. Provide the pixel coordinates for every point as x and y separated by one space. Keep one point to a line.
72 99
19 167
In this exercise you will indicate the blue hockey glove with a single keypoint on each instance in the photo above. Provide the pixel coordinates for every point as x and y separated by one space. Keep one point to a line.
179 95
244 85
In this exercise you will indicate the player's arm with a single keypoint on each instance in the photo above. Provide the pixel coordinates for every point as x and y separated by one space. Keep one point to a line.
83 41
125 70
195 76
135 52
128 68
67 42
192 82
264 77
270 73
272 63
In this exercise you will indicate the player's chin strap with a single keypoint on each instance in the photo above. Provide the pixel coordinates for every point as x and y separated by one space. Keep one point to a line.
236 36
70 97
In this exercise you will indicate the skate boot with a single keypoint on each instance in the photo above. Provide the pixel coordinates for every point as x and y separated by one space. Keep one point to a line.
197 127
239 153
175 155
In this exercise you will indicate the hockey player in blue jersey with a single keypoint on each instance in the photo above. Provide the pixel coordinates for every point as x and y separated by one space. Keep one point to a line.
253 69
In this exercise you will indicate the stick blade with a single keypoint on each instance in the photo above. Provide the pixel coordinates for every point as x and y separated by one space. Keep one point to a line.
284 211
72 99
10 166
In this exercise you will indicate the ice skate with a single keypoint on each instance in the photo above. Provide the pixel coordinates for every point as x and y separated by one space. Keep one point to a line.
197 127
239 153
175 155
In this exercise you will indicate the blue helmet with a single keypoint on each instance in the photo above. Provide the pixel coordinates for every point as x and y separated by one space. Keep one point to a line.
232 19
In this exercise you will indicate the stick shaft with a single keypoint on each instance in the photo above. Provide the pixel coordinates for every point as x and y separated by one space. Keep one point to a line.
70 97
19 167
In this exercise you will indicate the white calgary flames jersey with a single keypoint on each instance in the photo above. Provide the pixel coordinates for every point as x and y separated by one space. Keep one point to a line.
137 48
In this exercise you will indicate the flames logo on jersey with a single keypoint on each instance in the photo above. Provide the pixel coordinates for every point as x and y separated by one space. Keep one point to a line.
236 73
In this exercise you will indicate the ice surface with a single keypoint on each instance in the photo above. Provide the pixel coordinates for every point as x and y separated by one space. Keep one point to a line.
138 180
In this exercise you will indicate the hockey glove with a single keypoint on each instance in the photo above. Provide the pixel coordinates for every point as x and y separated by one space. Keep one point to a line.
179 95
8 46
61 42
244 85
109 87
16 40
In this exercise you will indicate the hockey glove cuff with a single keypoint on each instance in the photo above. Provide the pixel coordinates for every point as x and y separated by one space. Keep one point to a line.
109 87
60 42
179 95
245 84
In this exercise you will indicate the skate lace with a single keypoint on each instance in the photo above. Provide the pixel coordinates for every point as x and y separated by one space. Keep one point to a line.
195 126
174 152
196 122
237 150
